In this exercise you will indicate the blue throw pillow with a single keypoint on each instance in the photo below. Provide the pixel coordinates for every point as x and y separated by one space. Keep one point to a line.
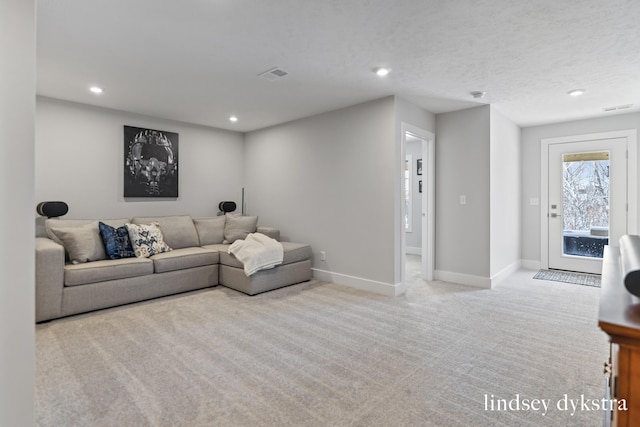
116 241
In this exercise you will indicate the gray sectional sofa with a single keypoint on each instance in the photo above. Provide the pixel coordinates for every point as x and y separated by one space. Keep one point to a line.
198 259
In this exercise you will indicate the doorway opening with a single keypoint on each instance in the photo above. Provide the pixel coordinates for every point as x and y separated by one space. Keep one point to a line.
418 203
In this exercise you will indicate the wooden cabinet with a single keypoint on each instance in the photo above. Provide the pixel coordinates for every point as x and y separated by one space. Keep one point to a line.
619 317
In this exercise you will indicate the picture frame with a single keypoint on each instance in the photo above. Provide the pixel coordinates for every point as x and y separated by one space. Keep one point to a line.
420 186
150 163
419 167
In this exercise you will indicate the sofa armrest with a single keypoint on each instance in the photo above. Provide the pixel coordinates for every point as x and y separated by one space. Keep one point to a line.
272 232
49 279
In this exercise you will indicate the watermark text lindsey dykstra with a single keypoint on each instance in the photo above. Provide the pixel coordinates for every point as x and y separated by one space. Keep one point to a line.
570 405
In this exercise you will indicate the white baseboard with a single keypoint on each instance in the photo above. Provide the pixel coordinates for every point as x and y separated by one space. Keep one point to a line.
359 283
413 251
531 264
463 279
505 272
446 276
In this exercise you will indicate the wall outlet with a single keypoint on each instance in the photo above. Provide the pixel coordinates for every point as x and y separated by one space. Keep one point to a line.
323 256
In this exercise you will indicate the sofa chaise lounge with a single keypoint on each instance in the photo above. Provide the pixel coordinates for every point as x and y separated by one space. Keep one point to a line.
198 259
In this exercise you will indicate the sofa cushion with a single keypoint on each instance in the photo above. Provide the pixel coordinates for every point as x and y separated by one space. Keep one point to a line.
82 243
100 271
220 247
230 260
116 241
210 230
239 227
147 239
179 259
178 231
293 252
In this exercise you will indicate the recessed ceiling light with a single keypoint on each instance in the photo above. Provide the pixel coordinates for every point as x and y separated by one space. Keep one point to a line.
96 89
233 119
576 92
381 71
478 94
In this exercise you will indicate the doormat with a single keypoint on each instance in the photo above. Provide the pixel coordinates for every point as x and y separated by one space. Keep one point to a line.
569 277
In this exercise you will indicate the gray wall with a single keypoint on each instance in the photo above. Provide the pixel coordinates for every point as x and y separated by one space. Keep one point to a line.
328 180
462 159
17 112
320 179
79 159
531 137
505 188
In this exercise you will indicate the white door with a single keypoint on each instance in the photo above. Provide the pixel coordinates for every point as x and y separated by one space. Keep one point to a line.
587 202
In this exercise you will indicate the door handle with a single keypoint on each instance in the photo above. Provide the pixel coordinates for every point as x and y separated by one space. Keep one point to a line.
554 215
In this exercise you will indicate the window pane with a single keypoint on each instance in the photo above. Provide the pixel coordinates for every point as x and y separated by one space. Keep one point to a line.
585 203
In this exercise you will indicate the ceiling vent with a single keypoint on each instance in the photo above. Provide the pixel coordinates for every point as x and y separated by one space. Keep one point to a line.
618 107
273 74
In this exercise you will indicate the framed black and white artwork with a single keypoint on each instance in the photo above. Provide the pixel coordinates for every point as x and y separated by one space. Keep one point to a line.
419 167
150 163
420 186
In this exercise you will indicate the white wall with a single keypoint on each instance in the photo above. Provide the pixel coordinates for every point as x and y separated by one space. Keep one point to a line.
462 168
531 137
17 112
328 180
505 188
79 160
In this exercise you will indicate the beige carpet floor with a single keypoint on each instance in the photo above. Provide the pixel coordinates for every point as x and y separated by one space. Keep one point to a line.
319 354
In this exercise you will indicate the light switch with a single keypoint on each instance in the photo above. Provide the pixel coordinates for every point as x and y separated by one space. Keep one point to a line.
463 200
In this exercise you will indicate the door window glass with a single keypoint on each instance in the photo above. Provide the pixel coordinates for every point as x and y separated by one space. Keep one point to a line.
585 205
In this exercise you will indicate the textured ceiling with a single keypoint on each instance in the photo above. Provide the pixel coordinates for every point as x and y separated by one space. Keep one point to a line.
198 61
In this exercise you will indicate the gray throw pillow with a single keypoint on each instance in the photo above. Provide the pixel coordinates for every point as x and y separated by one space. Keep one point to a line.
83 243
238 227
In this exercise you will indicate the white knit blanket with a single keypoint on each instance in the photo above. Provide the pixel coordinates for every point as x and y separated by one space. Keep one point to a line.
257 252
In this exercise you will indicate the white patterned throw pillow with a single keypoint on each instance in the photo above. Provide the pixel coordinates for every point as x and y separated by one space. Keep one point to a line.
146 239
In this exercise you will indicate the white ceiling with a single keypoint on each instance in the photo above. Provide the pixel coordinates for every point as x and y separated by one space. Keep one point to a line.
198 61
